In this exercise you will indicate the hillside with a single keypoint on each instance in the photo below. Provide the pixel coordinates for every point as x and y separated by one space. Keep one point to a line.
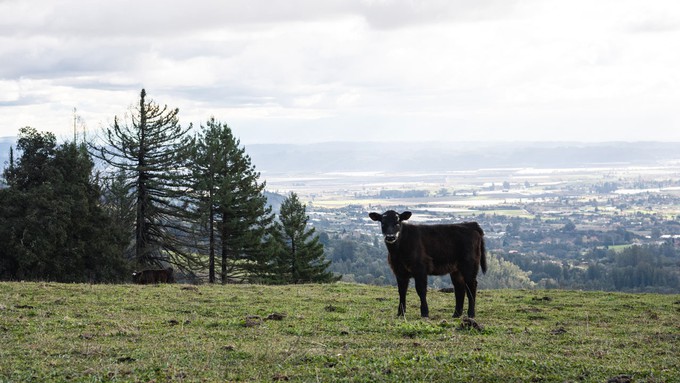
341 332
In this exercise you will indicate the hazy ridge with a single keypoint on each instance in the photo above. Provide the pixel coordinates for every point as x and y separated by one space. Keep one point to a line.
441 156
402 156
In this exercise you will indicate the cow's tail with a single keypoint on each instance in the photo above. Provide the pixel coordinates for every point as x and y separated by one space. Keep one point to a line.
482 261
482 248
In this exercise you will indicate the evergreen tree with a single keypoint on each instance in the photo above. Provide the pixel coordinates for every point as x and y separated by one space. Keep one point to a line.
235 211
301 258
152 152
119 202
51 222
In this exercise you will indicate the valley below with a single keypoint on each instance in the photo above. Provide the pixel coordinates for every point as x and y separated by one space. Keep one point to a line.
568 226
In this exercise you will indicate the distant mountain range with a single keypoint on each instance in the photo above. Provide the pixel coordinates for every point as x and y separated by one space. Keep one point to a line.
441 156
425 157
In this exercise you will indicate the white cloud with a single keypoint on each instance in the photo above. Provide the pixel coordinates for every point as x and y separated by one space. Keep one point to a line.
364 69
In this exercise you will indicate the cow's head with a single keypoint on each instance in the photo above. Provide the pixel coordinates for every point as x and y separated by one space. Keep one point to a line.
390 222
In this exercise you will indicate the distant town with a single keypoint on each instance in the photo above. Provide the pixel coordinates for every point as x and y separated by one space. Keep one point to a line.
610 227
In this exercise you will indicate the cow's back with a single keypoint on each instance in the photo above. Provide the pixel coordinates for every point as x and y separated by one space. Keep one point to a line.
445 238
443 248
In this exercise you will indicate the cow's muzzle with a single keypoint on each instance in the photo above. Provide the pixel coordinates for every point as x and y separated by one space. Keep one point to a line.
391 238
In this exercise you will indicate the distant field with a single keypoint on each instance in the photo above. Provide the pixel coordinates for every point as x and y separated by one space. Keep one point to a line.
342 332
469 205
472 192
618 248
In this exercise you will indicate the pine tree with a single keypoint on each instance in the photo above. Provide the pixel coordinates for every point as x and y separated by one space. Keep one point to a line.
119 203
302 257
51 223
152 152
236 215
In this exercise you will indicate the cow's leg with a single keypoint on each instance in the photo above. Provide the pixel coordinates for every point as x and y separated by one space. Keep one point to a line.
471 289
402 284
421 289
459 291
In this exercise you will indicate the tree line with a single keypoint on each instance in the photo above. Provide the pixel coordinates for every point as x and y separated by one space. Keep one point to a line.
163 195
636 268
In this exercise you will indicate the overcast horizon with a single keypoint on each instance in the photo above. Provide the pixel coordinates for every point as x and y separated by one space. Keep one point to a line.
306 71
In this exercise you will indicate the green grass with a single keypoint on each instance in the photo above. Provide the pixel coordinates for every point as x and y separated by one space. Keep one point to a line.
339 332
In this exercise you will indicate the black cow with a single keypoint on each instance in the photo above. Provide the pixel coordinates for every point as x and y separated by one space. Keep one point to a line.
416 251
153 276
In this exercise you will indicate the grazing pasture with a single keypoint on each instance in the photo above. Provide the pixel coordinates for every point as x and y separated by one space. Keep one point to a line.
53 332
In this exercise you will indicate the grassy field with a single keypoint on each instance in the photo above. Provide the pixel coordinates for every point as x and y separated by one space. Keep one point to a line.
339 332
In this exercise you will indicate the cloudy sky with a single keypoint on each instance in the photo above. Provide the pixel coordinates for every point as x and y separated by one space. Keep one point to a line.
377 70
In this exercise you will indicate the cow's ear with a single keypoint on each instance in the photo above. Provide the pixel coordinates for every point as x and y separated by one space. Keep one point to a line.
375 216
404 216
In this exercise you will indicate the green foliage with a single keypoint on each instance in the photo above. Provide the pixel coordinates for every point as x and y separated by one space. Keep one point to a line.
639 268
151 151
502 274
119 202
232 204
645 268
300 257
51 223
359 258
167 198
329 332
